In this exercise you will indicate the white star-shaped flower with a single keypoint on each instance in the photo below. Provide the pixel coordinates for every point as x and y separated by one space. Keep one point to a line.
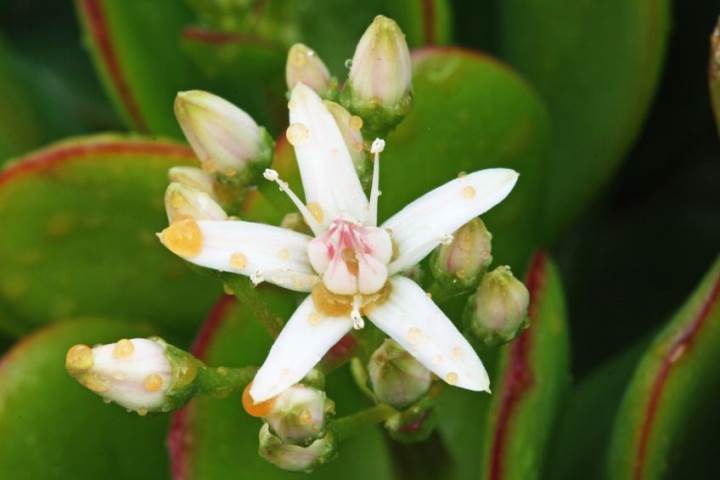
352 268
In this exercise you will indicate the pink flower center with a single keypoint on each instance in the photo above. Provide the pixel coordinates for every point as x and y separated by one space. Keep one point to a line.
351 258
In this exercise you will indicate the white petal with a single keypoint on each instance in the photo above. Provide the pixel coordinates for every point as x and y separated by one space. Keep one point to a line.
306 337
372 275
416 323
420 227
263 252
326 168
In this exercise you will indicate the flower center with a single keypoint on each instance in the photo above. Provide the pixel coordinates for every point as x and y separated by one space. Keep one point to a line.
351 258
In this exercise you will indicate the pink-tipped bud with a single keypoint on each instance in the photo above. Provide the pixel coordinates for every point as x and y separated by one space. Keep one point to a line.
226 139
381 70
497 312
460 263
305 66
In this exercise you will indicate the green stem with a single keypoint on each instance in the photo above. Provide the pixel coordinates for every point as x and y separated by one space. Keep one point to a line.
222 381
441 294
345 427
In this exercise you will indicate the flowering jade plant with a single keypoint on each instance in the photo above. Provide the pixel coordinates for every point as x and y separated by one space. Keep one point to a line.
350 266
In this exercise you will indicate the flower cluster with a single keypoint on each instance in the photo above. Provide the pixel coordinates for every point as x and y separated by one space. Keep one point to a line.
351 265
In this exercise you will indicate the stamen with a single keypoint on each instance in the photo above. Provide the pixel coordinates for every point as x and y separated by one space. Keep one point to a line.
257 277
273 176
378 145
355 315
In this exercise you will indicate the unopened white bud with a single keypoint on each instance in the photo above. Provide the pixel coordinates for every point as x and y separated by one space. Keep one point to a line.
381 70
183 202
305 66
225 138
136 374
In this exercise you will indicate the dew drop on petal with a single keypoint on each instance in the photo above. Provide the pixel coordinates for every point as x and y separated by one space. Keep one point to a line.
297 134
123 349
452 378
469 192
238 260
153 383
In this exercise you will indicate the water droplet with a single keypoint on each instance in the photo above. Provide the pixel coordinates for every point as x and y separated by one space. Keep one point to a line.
348 63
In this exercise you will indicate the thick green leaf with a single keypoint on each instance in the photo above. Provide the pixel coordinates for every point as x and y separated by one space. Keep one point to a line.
673 395
530 383
470 113
597 64
55 429
79 221
135 46
215 439
19 121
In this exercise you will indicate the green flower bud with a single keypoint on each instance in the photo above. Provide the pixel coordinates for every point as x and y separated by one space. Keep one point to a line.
227 140
304 65
460 264
351 130
145 375
183 202
299 414
397 378
379 87
497 312
295 458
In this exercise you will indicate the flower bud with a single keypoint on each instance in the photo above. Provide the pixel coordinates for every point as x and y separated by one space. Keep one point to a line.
227 140
460 263
304 65
497 312
351 130
396 377
295 458
183 202
298 414
145 375
194 178
380 81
